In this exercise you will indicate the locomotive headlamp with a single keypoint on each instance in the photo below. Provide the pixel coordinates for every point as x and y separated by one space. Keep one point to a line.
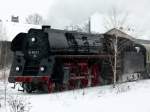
42 68
137 49
33 39
17 68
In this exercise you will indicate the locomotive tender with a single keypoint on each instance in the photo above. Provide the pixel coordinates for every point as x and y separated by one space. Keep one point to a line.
52 60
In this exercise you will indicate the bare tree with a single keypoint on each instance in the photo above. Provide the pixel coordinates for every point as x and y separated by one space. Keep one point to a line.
118 20
115 18
34 19
3 57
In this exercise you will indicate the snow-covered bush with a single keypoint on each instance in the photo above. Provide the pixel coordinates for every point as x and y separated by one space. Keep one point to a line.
122 88
18 104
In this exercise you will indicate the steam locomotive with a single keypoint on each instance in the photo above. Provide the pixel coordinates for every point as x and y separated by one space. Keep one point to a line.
55 60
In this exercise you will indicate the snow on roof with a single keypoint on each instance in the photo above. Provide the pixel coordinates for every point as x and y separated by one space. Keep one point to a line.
10 29
114 31
120 33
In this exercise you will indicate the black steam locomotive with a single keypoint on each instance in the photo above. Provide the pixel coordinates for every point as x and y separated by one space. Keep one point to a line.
53 60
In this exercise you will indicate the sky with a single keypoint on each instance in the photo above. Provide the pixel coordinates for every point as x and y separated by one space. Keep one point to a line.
24 7
60 13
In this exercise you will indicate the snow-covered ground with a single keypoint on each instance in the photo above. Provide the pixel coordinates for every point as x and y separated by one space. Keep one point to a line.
127 97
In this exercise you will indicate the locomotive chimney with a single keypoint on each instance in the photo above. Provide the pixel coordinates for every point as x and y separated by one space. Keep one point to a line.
45 27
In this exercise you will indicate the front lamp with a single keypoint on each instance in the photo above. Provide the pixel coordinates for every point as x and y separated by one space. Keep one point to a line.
42 68
33 39
17 69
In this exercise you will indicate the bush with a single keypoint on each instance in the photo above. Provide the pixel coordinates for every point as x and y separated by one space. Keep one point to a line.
122 88
18 104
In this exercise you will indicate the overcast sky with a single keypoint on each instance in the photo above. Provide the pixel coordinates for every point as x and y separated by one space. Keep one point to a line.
60 13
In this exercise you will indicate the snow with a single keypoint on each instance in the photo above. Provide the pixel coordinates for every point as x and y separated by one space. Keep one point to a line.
100 99
126 97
